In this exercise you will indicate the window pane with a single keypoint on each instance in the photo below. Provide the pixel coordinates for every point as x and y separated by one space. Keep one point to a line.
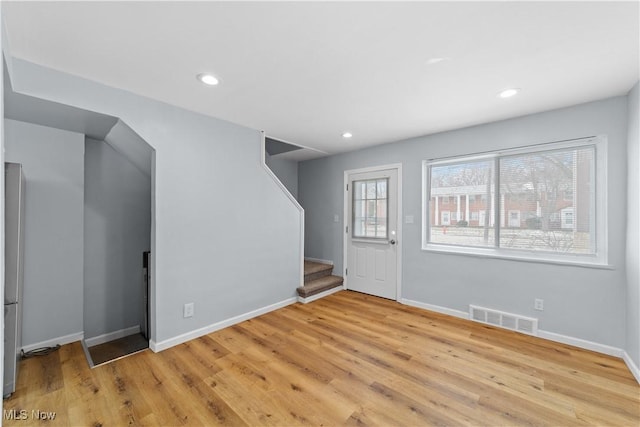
359 188
358 227
382 189
381 228
460 204
381 209
547 200
370 208
371 190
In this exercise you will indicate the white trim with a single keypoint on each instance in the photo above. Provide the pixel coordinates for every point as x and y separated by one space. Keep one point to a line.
320 295
87 355
321 261
632 366
346 220
293 200
66 339
597 260
579 342
163 345
436 308
601 160
101 339
514 255
533 148
399 236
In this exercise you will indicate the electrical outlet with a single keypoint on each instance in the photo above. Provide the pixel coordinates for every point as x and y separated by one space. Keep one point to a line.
187 310
538 304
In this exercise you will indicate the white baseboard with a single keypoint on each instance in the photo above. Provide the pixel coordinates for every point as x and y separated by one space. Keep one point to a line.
579 342
436 308
67 339
320 295
321 261
552 336
632 366
163 345
101 339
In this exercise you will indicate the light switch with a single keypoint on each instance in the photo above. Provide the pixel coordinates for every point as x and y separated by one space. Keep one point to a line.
336 218
408 219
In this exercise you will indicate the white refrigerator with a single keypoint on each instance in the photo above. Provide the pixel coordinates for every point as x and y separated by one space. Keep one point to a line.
13 272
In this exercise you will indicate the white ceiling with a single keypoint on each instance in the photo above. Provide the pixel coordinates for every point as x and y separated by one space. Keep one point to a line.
306 72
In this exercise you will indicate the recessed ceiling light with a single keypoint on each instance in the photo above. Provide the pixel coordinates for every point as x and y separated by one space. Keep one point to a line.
437 60
508 93
208 79
347 135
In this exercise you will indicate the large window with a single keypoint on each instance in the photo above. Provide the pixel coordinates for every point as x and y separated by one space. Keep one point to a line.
544 202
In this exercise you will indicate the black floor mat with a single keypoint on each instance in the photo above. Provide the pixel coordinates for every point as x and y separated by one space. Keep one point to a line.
112 350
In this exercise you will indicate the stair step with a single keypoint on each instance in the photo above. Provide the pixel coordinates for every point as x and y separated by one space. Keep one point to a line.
315 270
319 285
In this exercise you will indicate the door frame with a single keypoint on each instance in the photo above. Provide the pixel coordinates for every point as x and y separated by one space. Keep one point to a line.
346 221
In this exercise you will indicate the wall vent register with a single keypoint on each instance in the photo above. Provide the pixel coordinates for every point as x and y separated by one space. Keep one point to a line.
501 319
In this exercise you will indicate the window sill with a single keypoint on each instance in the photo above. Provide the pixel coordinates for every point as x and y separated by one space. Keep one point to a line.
531 257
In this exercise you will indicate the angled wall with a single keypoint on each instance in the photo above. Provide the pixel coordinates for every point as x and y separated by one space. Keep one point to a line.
224 235
285 170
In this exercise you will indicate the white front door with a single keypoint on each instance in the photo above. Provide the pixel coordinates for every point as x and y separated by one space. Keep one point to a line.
372 232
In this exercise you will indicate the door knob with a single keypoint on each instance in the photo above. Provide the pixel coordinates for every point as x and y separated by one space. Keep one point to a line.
393 242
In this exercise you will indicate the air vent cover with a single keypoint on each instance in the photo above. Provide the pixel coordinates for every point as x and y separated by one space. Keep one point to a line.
514 322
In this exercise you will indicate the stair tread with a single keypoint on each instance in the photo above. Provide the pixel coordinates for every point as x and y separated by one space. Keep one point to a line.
311 267
323 281
318 285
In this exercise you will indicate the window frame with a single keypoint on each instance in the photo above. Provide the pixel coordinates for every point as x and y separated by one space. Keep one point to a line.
599 259
366 199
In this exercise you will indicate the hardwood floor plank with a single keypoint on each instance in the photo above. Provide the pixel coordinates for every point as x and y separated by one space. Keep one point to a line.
258 408
88 403
192 384
162 385
373 406
347 359
126 399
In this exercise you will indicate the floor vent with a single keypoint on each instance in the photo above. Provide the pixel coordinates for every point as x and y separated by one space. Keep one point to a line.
515 322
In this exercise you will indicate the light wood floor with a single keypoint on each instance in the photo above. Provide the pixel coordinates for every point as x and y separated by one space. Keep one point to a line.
348 359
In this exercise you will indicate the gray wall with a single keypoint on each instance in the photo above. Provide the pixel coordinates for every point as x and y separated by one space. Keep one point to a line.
580 302
53 162
2 159
286 171
224 235
633 228
117 229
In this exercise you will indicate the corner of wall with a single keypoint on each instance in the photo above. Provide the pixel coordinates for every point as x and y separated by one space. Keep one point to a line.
633 230
3 41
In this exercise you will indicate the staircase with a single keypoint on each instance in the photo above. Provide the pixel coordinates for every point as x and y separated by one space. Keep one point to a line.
318 281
